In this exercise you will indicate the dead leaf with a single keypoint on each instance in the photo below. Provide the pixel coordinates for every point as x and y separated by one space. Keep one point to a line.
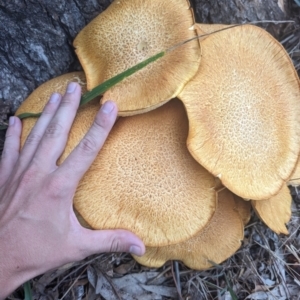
130 287
124 268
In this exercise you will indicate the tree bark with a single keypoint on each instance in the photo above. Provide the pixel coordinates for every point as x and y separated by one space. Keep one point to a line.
36 42
237 11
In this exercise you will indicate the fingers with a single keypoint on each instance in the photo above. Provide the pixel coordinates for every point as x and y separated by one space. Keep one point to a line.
84 154
36 134
56 133
11 148
98 241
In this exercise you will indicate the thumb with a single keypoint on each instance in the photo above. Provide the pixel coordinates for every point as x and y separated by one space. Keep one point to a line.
118 240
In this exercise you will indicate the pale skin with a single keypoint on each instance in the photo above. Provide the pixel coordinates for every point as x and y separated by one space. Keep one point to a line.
38 227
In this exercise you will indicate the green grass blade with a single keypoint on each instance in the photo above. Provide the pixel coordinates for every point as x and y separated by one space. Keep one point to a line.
232 293
103 87
23 116
100 89
27 291
28 115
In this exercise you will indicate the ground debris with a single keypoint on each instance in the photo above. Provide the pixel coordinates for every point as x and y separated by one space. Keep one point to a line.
131 286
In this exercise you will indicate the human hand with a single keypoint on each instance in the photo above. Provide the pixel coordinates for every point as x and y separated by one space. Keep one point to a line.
38 228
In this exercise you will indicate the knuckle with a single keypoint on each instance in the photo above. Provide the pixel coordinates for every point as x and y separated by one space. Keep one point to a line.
88 145
28 176
102 124
53 130
54 186
48 110
58 187
33 139
68 101
116 245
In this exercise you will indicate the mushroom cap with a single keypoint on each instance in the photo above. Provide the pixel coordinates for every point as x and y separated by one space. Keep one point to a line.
276 211
243 108
144 180
295 177
36 101
244 208
130 31
81 220
215 243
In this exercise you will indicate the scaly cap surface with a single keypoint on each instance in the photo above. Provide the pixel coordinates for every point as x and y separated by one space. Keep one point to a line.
144 180
215 243
243 109
130 31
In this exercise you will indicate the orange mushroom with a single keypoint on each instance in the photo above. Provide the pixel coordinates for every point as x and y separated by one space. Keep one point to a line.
276 211
130 31
295 177
145 180
215 243
243 110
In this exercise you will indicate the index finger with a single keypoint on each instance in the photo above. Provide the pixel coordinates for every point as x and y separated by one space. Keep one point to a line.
80 159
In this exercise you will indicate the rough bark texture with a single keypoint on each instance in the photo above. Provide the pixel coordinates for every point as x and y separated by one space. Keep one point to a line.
36 42
237 11
36 36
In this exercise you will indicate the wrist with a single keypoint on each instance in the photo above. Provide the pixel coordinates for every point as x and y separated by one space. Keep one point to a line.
11 277
15 267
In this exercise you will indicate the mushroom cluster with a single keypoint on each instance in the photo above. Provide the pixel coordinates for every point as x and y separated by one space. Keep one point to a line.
180 173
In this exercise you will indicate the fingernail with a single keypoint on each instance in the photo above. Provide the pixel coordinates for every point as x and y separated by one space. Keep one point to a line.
107 107
136 250
11 121
71 87
54 98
